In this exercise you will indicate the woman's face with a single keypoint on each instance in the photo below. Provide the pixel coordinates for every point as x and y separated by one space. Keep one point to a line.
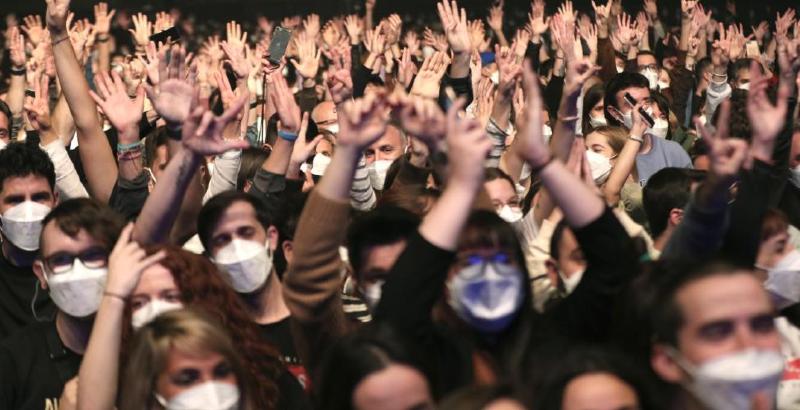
324 147
397 387
597 110
502 193
598 143
599 391
185 370
155 283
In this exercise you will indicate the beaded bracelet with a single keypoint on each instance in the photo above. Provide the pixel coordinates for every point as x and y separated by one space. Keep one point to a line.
129 147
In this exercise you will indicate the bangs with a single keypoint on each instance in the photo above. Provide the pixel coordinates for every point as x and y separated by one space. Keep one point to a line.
487 230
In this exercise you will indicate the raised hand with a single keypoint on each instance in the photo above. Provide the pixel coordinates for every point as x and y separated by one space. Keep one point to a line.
427 82
281 96
123 112
578 72
56 17
760 31
102 18
484 101
411 40
392 28
362 121
727 155
688 8
531 145
308 56
651 8
406 69
234 37
34 29
203 131
37 107
589 34
420 117
126 263
455 25
237 60
173 98
510 71
437 41
142 30
766 120
602 13
467 146
311 25
290 22
568 13
495 18
16 47
354 27
331 34
537 23
212 48
153 59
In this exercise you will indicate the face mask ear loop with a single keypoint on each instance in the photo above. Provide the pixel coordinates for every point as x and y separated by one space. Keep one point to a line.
33 305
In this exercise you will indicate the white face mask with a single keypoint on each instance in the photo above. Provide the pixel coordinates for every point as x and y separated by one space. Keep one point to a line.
620 69
571 282
783 280
599 121
547 132
206 396
729 382
151 310
247 264
377 172
320 164
663 85
495 77
486 295
600 166
2 144
428 51
78 291
652 77
372 294
627 119
22 224
510 214
794 176
333 128
745 86
660 128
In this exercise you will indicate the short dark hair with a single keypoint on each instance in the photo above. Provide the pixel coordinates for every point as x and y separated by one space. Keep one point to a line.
739 122
497 173
666 190
384 225
618 83
20 159
740 64
555 239
667 317
212 212
286 220
100 222
252 160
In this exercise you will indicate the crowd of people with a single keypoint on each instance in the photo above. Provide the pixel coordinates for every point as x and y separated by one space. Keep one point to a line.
587 210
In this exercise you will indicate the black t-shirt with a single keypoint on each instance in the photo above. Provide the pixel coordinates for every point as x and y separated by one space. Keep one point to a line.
34 367
17 289
279 334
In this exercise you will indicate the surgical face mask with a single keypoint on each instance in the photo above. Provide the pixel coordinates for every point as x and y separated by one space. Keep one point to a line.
333 128
600 166
627 119
147 313
372 294
510 214
745 86
547 132
428 51
377 172
2 144
246 264
495 77
729 382
570 283
620 69
22 224
487 294
320 164
599 121
794 176
78 292
783 280
663 85
652 77
205 396
660 128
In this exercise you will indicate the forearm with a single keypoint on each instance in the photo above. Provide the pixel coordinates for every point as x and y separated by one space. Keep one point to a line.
335 184
501 37
16 94
623 167
68 183
99 370
459 68
162 206
130 165
564 131
103 53
278 160
63 125
443 224
501 112
226 170
579 204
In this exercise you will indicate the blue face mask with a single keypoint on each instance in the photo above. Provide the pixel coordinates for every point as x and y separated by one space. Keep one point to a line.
487 293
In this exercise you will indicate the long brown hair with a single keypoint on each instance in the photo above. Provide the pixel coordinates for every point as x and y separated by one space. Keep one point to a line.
188 330
202 286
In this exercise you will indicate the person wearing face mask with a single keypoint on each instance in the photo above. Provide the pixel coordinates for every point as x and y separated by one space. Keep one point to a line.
382 153
326 117
180 342
469 269
38 361
721 355
655 153
593 116
145 283
27 194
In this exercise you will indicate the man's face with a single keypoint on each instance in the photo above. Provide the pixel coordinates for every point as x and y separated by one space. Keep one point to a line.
324 115
646 61
742 77
638 94
239 222
16 190
377 261
388 147
5 128
59 250
725 314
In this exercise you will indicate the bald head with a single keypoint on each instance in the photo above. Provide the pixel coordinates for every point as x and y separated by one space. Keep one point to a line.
324 115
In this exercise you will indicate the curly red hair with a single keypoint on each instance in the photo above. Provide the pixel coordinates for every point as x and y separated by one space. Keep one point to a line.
202 286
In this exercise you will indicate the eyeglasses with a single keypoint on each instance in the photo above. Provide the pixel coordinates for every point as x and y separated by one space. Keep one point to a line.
653 67
61 262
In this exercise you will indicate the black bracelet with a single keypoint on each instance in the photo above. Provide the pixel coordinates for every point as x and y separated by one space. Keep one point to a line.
18 72
103 39
540 168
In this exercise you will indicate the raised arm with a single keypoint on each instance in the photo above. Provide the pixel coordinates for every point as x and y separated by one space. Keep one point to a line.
626 161
99 372
16 90
95 152
454 21
102 29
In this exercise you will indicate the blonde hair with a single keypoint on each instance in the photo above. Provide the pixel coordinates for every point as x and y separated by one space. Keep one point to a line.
616 136
186 330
